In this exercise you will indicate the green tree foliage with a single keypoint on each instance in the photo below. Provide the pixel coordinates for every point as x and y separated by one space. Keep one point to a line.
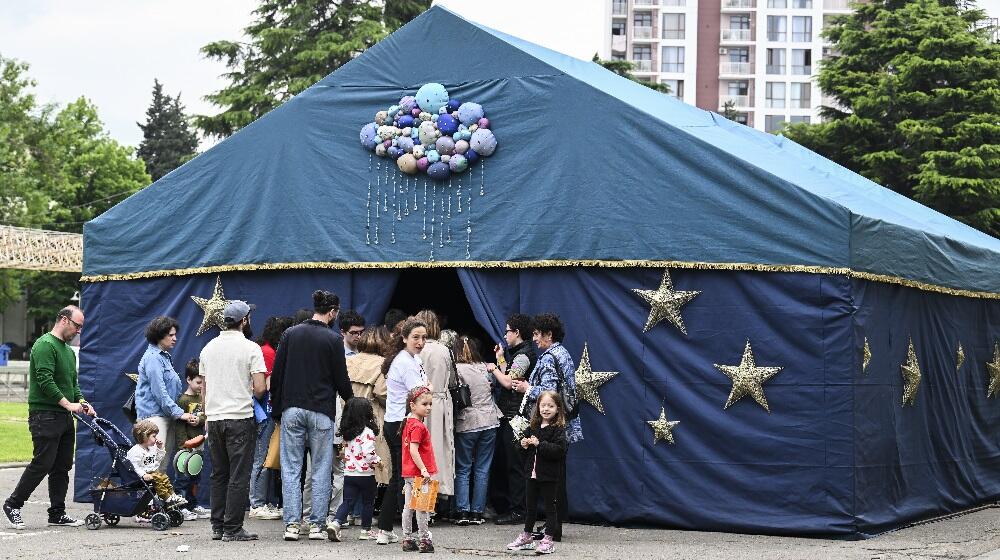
918 105
58 169
729 110
167 140
292 45
624 69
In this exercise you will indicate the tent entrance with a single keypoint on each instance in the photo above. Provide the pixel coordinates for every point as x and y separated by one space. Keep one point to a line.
440 290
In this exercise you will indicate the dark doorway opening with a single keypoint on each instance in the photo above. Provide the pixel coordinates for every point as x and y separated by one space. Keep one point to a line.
440 290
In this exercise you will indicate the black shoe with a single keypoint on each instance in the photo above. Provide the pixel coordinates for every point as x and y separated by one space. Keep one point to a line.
539 533
216 535
64 521
476 518
462 518
241 535
14 517
512 518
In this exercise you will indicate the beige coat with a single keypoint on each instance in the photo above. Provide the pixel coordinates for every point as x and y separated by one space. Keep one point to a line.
367 381
441 423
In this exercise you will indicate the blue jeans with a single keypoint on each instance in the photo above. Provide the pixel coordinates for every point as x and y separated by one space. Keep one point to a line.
473 456
299 426
260 478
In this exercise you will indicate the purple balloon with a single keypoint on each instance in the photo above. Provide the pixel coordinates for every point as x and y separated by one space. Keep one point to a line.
415 112
368 136
394 152
484 123
422 164
445 145
408 103
404 121
438 170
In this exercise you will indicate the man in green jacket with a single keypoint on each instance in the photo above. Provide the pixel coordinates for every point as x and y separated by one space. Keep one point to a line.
53 395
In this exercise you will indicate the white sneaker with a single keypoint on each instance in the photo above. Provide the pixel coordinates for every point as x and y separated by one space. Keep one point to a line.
189 515
256 511
141 520
368 535
266 512
292 532
315 533
202 513
386 537
333 531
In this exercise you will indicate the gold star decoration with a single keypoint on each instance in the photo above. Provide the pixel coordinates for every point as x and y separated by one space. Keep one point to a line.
993 372
911 376
665 303
663 430
866 357
959 357
133 376
588 381
748 379
213 308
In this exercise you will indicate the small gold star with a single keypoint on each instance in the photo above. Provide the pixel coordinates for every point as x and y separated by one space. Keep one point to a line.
748 379
911 376
665 303
993 372
588 381
959 357
213 308
663 430
867 357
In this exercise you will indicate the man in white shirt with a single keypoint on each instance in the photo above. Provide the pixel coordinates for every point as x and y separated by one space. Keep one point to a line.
234 370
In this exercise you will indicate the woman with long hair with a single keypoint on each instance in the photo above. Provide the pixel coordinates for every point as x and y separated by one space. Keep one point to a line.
440 367
403 371
368 382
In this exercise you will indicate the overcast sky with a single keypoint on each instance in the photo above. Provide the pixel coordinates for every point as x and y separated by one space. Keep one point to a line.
110 50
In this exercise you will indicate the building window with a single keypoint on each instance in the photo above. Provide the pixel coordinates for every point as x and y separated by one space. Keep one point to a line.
642 52
799 119
777 3
673 59
773 123
619 7
617 28
642 19
676 88
802 62
739 54
739 22
801 93
741 87
775 61
617 56
802 4
742 118
777 28
802 29
774 95
673 26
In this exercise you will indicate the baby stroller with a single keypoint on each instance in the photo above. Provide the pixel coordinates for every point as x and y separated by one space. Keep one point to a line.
122 491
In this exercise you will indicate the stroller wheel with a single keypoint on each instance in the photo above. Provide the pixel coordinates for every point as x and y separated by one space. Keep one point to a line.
92 521
111 519
160 521
176 518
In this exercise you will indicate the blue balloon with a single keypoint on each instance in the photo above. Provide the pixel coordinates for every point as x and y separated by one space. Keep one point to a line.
439 170
431 97
369 135
470 113
453 105
447 125
471 155
432 156
393 110
405 143
405 121
394 152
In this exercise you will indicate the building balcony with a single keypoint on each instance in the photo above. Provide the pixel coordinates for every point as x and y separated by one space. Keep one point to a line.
672 67
739 101
674 3
735 35
837 5
739 4
640 33
673 34
646 3
799 70
642 66
619 9
727 68
801 37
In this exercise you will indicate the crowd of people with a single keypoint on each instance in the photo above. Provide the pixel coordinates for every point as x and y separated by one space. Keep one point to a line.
325 422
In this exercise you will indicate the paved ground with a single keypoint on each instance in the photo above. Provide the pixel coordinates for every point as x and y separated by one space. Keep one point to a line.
976 535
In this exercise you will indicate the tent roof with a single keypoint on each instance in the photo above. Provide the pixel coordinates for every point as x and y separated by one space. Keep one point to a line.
590 167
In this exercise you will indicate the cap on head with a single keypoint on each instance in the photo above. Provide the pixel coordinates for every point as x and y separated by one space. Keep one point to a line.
235 311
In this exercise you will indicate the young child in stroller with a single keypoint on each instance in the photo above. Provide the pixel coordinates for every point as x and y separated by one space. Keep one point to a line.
145 457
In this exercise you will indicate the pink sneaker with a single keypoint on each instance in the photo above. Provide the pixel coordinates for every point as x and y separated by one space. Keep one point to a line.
522 542
546 546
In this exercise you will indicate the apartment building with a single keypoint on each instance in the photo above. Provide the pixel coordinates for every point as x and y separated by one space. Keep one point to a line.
761 55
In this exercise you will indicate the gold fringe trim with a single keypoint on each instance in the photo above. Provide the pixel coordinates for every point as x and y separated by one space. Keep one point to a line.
808 269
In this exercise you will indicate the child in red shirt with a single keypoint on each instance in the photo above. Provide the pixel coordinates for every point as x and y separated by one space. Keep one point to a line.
418 460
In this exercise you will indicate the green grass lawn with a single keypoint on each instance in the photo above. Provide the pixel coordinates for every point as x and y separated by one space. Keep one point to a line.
15 441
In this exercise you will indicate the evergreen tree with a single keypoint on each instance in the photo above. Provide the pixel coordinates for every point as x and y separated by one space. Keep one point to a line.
917 89
729 110
624 69
292 45
167 140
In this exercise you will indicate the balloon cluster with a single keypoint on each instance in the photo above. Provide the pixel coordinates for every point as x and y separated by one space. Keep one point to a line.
431 133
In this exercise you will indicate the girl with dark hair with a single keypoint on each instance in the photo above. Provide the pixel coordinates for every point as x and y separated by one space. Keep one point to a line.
368 382
404 372
475 433
358 430
263 483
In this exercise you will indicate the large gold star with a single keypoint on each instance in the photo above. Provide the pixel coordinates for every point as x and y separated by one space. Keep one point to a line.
993 372
665 303
588 381
748 379
911 376
213 308
663 430
866 357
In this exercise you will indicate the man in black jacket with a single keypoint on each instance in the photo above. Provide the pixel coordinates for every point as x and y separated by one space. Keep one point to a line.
309 372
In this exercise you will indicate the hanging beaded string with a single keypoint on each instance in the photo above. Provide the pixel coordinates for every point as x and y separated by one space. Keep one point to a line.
378 196
368 203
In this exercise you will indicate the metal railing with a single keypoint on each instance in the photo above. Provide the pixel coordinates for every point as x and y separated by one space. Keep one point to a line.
642 32
672 67
740 35
802 37
642 65
798 70
673 3
836 4
738 4
673 33
737 100
647 2
776 35
736 68
776 69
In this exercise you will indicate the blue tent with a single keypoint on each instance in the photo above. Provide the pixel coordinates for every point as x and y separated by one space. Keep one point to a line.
598 185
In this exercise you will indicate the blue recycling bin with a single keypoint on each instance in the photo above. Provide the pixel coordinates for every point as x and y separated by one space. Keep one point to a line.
4 354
